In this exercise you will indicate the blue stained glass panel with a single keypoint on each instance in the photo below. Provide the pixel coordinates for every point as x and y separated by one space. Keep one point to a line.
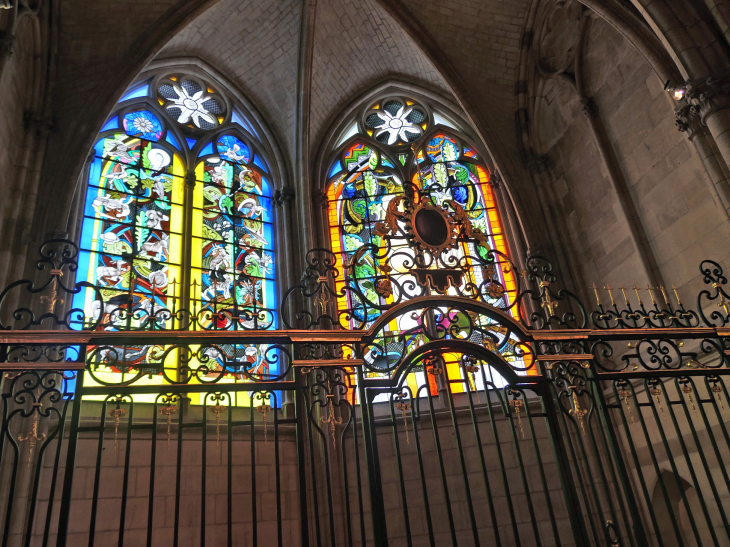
172 140
111 124
143 124
232 149
137 92
207 150
258 161
336 168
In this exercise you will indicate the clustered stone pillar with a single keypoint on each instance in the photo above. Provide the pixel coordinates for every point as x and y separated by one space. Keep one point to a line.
705 117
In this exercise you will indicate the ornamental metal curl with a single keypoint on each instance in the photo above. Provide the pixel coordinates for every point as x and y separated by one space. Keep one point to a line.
714 276
60 258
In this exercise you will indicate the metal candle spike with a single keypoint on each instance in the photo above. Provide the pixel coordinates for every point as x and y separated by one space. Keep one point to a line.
687 390
33 436
578 412
403 406
655 391
717 390
217 409
117 413
625 394
168 411
518 404
264 410
331 420
53 298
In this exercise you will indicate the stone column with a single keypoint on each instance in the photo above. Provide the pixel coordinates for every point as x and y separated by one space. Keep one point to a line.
709 99
282 199
712 161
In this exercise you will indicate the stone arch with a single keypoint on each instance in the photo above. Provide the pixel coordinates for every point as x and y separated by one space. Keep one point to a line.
449 117
677 513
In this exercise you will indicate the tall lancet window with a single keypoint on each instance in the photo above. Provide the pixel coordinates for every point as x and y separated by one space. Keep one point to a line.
395 140
178 232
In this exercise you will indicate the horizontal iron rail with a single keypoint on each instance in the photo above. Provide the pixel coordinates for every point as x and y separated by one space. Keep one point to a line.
162 337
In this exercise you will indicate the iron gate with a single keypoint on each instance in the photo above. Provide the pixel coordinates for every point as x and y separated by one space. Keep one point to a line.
494 428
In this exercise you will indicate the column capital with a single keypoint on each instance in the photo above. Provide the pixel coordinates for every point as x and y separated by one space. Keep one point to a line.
708 95
190 177
284 195
496 179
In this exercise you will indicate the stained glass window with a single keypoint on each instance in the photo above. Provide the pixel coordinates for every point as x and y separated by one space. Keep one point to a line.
364 178
155 245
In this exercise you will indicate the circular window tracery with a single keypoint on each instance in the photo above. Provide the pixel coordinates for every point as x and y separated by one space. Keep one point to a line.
191 102
396 121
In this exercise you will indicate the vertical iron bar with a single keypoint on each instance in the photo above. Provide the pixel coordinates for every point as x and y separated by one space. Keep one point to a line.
65 506
36 480
300 414
204 466
345 478
359 479
715 447
275 410
399 463
701 453
482 461
553 417
444 483
670 456
97 474
153 457
500 456
657 470
380 534
462 461
583 494
229 486
543 479
254 523
426 504
614 450
690 466
176 531
637 465
56 461
125 480
525 485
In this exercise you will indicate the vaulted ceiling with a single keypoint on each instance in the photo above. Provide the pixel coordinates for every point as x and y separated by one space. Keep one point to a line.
255 43
466 51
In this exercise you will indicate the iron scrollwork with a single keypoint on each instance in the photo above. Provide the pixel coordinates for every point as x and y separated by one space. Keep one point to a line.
714 276
60 258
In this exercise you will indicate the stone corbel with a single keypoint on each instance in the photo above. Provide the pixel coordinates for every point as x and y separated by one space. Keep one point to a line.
495 180
40 124
537 164
7 43
687 121
320 199
283 196
589 107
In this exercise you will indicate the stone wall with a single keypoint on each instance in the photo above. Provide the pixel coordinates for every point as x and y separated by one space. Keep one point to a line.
111 486
661 168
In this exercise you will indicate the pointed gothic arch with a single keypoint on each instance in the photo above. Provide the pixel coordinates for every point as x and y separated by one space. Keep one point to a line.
178 226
